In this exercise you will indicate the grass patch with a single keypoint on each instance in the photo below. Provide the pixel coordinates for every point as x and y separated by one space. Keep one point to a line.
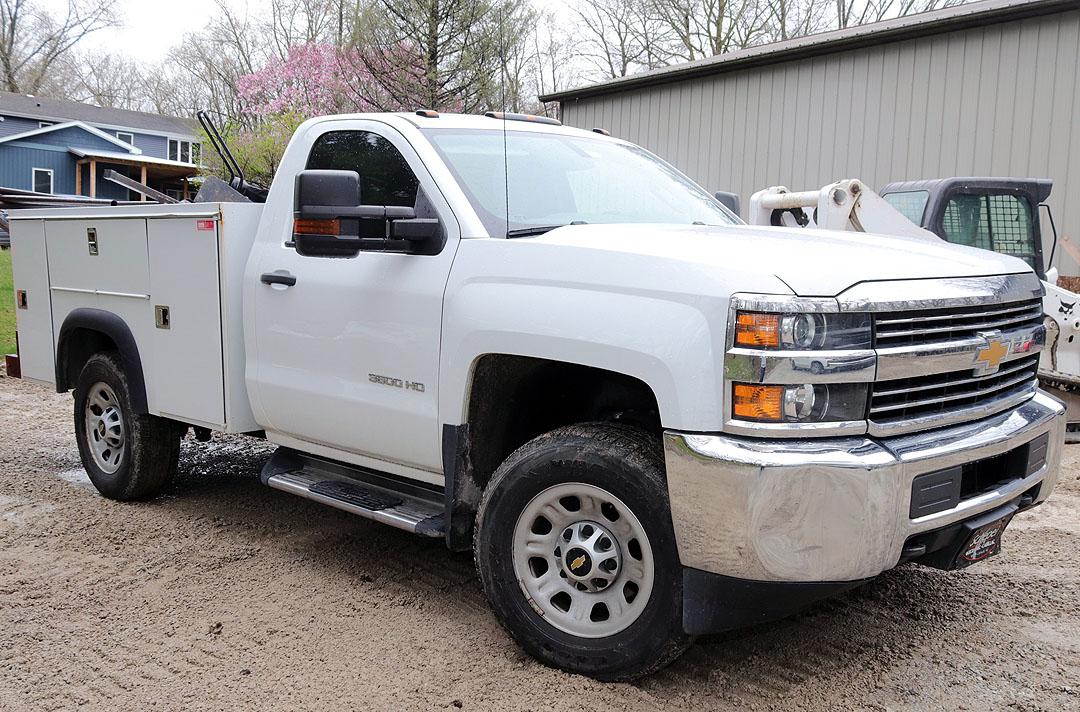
7 305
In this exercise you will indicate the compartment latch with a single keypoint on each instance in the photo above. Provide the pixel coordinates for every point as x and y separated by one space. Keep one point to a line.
162 318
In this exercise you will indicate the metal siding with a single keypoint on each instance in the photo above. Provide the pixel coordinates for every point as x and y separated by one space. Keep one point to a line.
998 100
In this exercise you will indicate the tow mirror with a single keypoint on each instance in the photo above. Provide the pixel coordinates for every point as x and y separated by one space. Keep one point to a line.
331 221
728 200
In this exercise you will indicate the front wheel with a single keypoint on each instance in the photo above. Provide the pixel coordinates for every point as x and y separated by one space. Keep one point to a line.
576 553
127 455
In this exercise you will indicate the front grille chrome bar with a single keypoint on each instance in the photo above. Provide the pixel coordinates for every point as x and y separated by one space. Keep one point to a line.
974 379
953 323
1025 377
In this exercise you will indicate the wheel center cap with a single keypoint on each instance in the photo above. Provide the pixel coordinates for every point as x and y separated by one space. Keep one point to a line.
101 428
578 562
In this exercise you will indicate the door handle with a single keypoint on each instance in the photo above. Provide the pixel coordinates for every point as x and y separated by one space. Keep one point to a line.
278 278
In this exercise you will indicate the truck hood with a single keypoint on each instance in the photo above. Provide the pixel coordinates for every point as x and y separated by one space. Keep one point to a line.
810 262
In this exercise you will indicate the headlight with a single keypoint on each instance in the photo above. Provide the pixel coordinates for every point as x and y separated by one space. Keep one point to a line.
802 332
799 403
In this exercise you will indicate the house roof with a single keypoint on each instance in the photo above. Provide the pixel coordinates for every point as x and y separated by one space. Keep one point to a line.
72 124
107 156
40 107
974 14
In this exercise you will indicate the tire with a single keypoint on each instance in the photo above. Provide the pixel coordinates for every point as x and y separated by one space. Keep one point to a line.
128 456
612 470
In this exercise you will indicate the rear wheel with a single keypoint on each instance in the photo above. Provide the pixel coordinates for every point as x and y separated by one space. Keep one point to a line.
576 553
127 455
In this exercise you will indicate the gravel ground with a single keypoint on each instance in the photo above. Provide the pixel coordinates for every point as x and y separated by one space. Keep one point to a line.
225 594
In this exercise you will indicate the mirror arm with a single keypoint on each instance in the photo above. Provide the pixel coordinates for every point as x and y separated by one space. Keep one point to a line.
414 229
370 212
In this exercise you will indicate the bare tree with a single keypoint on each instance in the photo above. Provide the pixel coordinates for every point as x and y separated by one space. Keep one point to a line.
109 80
686 30
795 18
442 54
32 41
556 53
614 35
850 13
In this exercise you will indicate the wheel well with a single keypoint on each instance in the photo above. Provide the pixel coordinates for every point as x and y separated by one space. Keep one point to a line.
78 346
513 399
86 332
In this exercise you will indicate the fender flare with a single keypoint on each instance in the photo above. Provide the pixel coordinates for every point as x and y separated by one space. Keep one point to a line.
113 327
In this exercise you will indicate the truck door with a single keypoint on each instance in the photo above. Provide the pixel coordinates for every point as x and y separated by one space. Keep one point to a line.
346 358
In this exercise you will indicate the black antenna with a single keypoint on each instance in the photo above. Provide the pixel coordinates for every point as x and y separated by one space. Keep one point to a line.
502 100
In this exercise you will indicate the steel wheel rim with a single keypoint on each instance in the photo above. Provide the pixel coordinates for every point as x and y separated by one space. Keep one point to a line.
585 586
106 435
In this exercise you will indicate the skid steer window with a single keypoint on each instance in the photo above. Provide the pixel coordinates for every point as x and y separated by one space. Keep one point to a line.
910 204
1001 223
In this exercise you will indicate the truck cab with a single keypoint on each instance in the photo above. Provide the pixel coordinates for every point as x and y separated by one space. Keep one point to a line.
646 419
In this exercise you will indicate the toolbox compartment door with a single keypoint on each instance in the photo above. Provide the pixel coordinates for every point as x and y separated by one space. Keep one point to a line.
33 317
102 264
188 382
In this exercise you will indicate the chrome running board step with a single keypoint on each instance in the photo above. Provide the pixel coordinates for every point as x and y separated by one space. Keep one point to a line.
369 494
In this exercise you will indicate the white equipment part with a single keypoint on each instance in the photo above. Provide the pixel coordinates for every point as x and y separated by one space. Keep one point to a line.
850 205
845 205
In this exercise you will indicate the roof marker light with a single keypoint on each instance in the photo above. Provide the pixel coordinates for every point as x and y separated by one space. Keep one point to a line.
602 132
509 116
427 113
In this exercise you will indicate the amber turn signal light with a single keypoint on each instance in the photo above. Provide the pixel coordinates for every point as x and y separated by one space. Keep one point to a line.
303 226
758 402
753 329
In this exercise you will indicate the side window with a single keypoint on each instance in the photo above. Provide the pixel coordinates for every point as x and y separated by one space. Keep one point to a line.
385 177
910 204
1001 223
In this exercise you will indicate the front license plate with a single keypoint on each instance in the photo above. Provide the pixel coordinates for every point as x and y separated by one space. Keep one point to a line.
983 543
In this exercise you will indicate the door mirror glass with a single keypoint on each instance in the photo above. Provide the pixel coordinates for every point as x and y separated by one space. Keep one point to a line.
728 200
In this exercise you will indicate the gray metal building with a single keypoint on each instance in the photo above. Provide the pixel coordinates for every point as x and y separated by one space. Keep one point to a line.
990 88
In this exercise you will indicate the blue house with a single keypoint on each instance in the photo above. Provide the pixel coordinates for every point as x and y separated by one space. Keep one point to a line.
64 148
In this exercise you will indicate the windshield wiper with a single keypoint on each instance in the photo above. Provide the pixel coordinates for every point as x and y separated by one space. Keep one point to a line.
539 229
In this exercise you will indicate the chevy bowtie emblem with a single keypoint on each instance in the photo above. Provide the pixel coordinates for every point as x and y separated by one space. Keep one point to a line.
576 563
989 357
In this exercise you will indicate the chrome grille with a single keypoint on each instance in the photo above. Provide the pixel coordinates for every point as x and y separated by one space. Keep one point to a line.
906 399
927 326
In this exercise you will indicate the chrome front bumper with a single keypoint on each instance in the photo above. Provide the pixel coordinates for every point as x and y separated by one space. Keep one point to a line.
833 509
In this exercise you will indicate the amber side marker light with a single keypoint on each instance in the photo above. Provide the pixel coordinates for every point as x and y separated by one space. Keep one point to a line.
758 402
302 226
757 329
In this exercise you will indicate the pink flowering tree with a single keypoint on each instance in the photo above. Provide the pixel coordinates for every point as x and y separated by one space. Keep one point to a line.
313 80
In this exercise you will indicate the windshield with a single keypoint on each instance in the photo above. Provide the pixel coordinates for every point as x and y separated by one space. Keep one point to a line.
555 180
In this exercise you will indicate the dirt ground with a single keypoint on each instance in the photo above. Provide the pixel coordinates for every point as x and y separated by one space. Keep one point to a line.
225 594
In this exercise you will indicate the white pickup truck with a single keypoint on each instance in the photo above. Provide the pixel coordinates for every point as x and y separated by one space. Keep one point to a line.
647 419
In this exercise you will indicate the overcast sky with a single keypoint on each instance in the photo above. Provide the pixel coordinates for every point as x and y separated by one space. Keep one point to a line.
152 27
